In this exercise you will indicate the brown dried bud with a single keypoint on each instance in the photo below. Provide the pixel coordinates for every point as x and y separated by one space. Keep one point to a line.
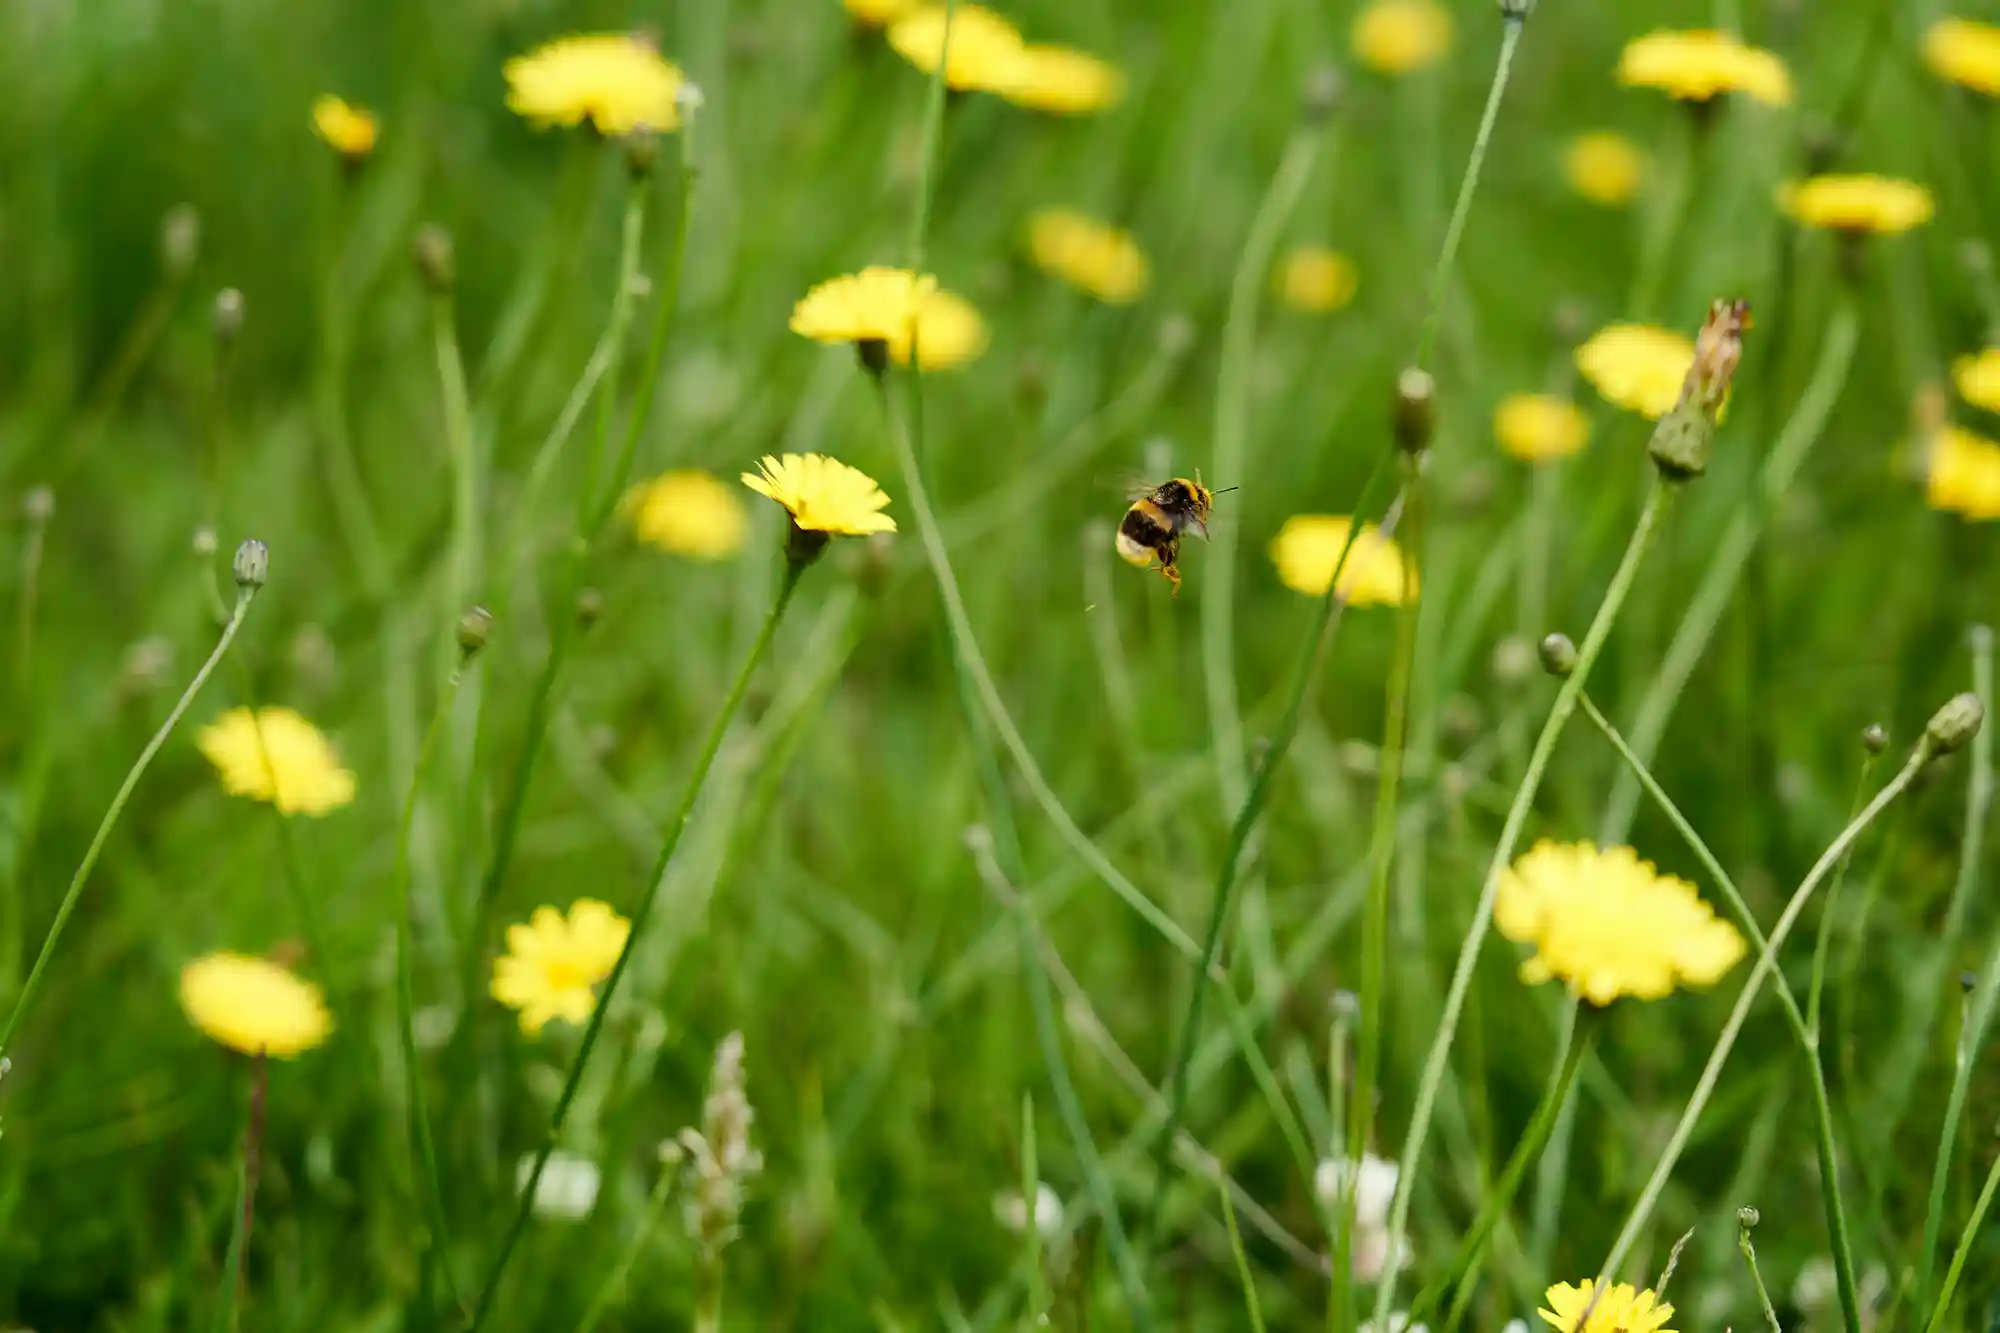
1415 415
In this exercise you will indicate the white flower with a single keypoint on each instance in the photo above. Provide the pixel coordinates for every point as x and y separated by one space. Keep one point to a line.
1514 1326
568 1188
1012 1211
1374 1190
1399 1322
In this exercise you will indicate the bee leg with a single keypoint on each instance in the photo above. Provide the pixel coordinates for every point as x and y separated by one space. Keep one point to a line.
1172 574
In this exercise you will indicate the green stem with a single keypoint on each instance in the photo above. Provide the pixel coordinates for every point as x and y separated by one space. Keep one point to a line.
244 596
1823 944
1745 1219
465 524
621 1272
669 842
33 544
1965 1239
242 1214
1243 1273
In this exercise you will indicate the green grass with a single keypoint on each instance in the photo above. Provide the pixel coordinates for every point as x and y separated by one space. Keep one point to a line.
920 937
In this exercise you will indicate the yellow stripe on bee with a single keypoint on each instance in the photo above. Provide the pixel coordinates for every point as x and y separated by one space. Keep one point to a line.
1132 552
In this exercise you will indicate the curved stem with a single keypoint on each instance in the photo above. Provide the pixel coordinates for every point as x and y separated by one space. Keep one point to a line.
1965 1239
459 443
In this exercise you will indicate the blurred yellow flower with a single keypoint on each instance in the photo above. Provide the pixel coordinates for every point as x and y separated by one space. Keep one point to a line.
552 964
276 755
1607 924
1089 255
348 130
1965 52
1962 474
1882 205
886 307
253 1005
615 81
823 494
1540 427
880 13
1315 279
1604 168
1400 36
689 513
1696 66
1309 545
1637 366
1978 379
1621 1309
1063 81
985 48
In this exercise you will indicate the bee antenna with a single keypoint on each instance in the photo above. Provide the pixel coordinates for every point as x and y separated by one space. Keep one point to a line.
1225 490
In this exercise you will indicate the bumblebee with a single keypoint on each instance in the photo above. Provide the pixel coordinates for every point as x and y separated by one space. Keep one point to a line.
1152 527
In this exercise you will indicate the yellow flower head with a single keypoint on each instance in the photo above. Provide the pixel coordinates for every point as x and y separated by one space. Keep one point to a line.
348 130
886 306
1965 52
1962 474
1061 80
615 81
1308 546
1637 366
1089 255
1621 1309
1882 205
1607 924
823 494
1315 279
1540 427
552 964
689 513
1696 66
277 756
253 1005
880 13
985 48
1978 379
1400 36
1604 168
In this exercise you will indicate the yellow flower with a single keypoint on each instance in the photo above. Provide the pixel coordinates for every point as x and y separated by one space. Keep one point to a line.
1398 36
615 81
1089 255
1539 427
1882 205
277 756
823 494
880 13
985 48
349 130
1315 279
1637 366
1965 52
1962 474
1307 547
1063 81
552 964
884 306
1620 1310
1978 379
1604 168
689 513
1607 924
1696 66
253 1005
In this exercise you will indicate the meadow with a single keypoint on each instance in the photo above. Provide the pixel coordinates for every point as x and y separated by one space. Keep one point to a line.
497 834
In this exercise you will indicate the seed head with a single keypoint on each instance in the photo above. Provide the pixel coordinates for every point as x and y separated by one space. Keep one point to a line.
642 150
38 506
1415 415
180 240
474 628
589 607
1322 96
1516 11
1747 1216
1874 738
1681 442
252 566
1558 655
228 315
203 542
437 259
1955 723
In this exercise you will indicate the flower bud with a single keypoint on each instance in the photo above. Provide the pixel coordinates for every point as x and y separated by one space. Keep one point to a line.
228 315
1681 442
1955 723
38 506
589 607
1558 655
1747 1216
1874 738
437 259
180 240
1323 89
252 566
642 150
1176 336
474 628
1415 417
1516 11
1513 660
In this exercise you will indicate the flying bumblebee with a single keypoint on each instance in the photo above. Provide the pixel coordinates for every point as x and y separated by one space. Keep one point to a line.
1152 527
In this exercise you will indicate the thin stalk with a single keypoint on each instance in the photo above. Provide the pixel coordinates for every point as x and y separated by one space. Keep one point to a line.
1658 499
669 842
1965 1239
1823 944
244 595
37 511
141 336
243 1214
1746 1218
1243 1273
621 1271
462 571
1040 1299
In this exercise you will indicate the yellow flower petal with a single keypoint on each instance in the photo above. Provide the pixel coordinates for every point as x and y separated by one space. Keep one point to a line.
615 81
1639 367
689 513
253 1005
893 307
1539 427
1309 545
1966 52
554 963
349 130
1401 36
1978 379
1315 279
1696 66
985 48
1621 1309
1882 205
1091 256
1063 81
823 494
1604 168
276 755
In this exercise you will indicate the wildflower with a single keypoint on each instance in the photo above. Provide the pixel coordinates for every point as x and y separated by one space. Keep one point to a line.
1881 205
1696 66
1621 1309
1401 36
613 80
1091 256
1962 474
1011 1211
1637 366
720 1159
823 494
568 1188
1540 427
1060 80
689 513
883 310
1978 379
552 963
1307 547
1604 167
1315 279
1397 1322
985 53
1374 1184
1966 52
1608 924
277 756
253 1005
880 13
348 130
